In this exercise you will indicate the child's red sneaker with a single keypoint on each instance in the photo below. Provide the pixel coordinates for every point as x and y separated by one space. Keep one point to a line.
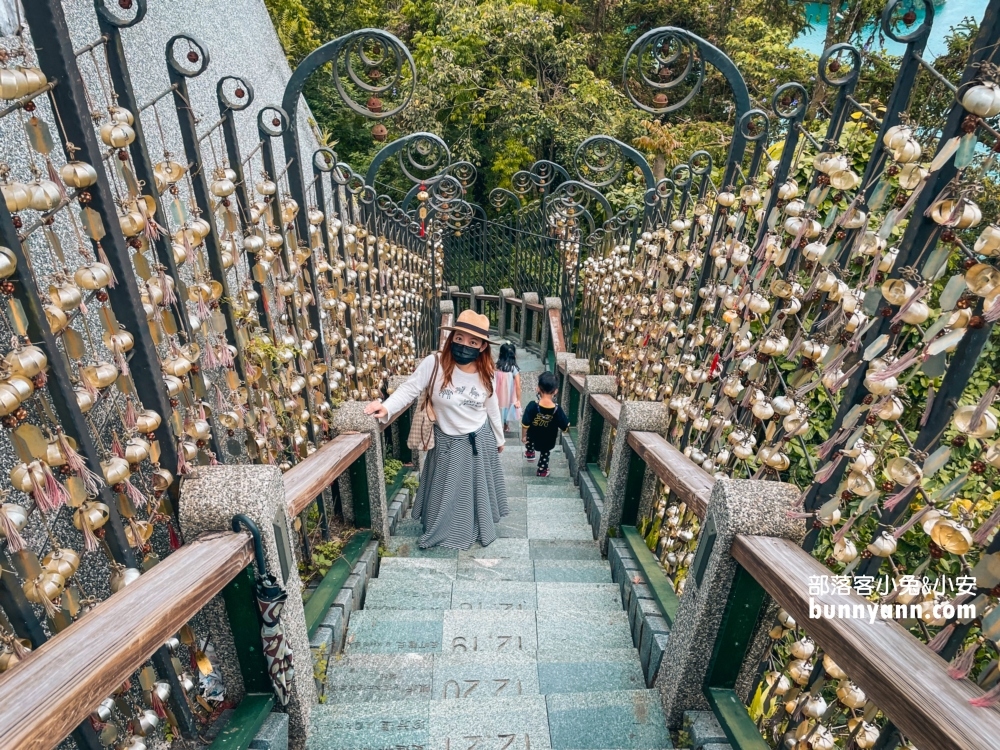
542 473
530 455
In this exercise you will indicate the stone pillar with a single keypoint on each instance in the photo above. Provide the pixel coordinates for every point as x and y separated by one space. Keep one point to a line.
351 417
573 366
474 293
447 308
592 384
737 506
648 416
550 303
210 497
526 299
505 294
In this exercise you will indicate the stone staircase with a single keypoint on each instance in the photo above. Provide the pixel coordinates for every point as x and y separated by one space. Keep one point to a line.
519 645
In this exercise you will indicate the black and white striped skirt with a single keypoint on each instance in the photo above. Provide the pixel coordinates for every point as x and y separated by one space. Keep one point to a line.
462 494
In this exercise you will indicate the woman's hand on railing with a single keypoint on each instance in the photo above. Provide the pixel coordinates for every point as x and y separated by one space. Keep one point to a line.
377 409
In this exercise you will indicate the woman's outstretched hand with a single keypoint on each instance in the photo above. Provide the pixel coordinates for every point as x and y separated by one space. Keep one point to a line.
499 449
377 409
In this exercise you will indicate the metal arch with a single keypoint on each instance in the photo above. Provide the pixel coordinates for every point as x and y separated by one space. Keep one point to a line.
539 178
708 53
407 141
571 185
593 146
501 198
458 165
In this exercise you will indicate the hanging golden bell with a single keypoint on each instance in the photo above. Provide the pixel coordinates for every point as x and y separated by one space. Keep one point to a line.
63 561
147 421
78 174
100 375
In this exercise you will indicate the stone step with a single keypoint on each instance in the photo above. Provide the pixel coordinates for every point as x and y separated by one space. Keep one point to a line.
557 549
489 570
490 632
592 597
478 676
607 669
516 723
547 490
349 726
398 592
553 504
395 631
501 595
558 528
561 631
366 678
418 567
572 571
607 719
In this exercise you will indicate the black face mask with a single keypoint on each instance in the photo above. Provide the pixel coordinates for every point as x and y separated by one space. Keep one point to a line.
463 354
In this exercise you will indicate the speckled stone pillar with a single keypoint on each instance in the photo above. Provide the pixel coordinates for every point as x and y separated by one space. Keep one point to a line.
474 292
505 294
210 497
550 303
592 384
649 416
351 417
737 506
526 299
573 366
447 307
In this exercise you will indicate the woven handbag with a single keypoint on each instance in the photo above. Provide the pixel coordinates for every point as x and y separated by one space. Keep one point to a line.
421 437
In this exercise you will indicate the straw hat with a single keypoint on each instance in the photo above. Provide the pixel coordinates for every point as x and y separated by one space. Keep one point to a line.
471 322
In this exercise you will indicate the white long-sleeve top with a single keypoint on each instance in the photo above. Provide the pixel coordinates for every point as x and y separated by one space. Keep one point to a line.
460 408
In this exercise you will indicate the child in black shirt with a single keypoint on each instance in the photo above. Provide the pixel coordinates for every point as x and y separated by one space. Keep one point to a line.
542 421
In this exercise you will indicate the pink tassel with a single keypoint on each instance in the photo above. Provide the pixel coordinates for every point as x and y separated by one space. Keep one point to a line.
927 409
209 360
169 298
134 494
961 667
909 524
824 474
201 410
824 448
183 467
55 492
91 480
993 314
90 542
118 354
990 698
939 641
18 648
798 515
220 400
902 496
116 446
919 294
801 499
130 417
225 357
90 389
83 308
54 177
136 533
982 406
842 531
15 542
203 312
987 527
899 366
839 383
102 257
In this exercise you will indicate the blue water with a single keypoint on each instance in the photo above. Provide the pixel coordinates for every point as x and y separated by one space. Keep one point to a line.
947 14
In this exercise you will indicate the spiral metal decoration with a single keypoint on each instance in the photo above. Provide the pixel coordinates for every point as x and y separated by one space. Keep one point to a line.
840 65
501 199
421 156
600 160
891 18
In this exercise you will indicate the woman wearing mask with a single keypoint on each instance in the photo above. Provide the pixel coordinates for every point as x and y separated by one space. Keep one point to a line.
462 495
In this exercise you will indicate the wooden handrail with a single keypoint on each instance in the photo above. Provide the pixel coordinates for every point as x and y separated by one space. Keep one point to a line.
305 481
556 331
576 380
608 407
534 306
688 481
62 681
489 297
513 300
904 678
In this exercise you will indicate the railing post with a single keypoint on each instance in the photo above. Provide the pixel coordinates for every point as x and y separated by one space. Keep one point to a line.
569 396
474 293
400 429
621 501
503 317
591 420
736 635
210 497
527 318
546 344
368 507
